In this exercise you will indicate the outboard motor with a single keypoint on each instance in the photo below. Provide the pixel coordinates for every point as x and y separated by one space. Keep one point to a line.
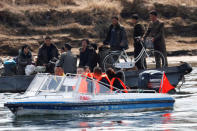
9 67
150 80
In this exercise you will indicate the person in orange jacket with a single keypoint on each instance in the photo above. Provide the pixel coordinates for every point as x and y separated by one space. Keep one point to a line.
100 77
118 83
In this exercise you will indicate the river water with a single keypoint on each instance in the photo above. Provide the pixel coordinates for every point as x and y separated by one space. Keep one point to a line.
183 117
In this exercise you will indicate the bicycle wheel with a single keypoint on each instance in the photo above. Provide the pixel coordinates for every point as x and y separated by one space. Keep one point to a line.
153 59
111 59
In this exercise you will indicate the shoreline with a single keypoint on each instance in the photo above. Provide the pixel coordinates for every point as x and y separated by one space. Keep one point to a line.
172 60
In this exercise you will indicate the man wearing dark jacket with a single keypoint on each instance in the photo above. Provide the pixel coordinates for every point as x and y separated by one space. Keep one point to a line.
156 31
116 37
47 52
137 32
84 55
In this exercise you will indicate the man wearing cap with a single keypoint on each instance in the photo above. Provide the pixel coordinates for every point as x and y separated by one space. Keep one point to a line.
68 61
116 37
47 52
156 32
138 31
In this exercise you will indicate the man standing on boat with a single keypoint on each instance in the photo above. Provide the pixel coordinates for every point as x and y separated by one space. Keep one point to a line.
68 61
116 37
137 32
156 32
47 52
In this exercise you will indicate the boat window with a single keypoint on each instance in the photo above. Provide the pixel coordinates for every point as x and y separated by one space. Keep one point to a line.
52 83
68 84
70 81
86 86
102 88
35 85
89 86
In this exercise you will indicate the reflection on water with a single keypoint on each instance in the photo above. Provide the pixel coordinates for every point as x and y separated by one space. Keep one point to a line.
182 117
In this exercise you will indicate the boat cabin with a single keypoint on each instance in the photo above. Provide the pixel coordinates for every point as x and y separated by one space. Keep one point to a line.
45 84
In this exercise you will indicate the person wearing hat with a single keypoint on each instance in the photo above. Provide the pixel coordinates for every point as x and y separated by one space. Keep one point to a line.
47 52
68 61
156 32
138 31
116 37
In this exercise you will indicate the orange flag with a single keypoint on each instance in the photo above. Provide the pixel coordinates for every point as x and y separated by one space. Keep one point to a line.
165 85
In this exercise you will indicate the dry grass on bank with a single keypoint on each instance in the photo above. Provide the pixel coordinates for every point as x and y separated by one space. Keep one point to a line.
40 2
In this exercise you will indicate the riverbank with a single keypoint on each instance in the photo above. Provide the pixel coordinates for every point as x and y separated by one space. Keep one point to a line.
70 21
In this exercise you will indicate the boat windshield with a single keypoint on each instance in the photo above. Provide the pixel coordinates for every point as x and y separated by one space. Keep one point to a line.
68 84
52 83
36 84
90 86
78 84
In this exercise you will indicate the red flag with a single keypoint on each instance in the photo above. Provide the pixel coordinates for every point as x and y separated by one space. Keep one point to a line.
165 85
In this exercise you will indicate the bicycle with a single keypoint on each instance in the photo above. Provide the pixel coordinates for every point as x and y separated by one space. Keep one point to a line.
120 60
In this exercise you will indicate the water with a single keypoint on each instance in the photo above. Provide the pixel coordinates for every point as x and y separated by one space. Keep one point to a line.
183 117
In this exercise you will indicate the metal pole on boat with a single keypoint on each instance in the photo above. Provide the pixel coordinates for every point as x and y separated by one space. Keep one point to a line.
161 86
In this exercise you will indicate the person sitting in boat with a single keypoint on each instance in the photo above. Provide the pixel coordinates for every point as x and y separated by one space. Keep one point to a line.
110 73
80 70
68 61
118 83
24 59
100 77
47 54
87 69
115 80
88 72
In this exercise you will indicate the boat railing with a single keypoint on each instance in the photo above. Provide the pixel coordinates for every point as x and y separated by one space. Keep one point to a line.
136 91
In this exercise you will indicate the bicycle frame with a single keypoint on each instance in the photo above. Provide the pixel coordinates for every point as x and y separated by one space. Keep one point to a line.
141 53
128 62
124 54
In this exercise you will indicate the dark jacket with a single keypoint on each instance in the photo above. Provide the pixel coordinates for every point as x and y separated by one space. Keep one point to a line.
22 61
117 84
119 36
156 30
138 32
84 57
88 58
93 59
45 54
68 62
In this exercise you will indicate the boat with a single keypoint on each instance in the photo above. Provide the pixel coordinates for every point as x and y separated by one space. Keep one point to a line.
76 94
175 74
